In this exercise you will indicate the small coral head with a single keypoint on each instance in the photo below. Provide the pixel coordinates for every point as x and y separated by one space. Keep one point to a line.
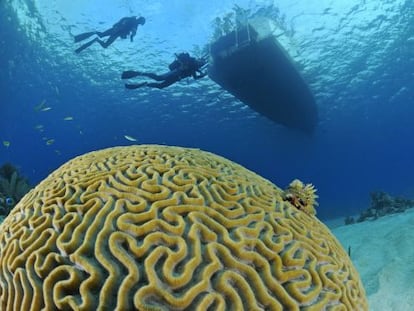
302 196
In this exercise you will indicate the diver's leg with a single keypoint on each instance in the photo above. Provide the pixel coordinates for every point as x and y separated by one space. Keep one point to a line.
108 42
153 76
157 85
131 86
86 45
83 36
165 76
132 73
165 83
153 85
105 33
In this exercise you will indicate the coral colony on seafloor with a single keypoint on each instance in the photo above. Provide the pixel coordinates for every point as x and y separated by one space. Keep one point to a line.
13 187
167 228
382 204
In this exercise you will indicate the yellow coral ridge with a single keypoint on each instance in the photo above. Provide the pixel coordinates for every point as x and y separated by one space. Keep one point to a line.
167 228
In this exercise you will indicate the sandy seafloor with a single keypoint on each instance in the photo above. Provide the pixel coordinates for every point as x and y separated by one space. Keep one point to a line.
383 253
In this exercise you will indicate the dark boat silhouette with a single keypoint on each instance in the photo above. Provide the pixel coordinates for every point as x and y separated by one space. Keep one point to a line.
261 74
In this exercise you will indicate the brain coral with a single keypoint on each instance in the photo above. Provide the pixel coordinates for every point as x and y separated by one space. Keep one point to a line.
168 228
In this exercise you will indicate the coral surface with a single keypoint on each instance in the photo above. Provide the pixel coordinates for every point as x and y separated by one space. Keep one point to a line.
168 228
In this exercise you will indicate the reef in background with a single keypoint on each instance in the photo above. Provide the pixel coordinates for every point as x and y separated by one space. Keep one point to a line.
13 186
382 204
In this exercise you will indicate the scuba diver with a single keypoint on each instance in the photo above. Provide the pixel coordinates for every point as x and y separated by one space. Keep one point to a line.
182 67
124 27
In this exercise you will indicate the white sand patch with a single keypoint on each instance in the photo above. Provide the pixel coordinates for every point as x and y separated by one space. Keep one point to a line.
383 253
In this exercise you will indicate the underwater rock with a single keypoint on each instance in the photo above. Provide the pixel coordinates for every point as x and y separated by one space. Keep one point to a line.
382 204
166 228
13 187
349 220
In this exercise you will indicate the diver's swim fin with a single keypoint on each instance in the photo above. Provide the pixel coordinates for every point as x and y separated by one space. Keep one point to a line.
135 86
130 74
86 45
84 36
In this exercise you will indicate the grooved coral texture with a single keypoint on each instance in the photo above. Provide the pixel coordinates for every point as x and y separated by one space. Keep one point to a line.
167 228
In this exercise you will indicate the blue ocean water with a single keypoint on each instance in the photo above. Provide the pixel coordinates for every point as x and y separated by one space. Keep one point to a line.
357 57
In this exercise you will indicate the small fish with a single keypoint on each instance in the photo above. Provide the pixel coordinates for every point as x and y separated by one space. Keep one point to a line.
6 143
68 118
130 138
57 90
40 106
50 141
46 109
39 127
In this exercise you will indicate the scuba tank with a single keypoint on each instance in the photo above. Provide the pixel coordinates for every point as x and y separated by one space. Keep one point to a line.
180 60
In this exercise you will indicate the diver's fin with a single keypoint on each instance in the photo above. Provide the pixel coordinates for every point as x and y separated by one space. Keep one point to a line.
82 47
130 74
135 86
84 36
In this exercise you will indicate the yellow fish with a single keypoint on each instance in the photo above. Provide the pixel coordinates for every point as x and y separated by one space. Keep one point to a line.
130 138
6 143
50 141
68 118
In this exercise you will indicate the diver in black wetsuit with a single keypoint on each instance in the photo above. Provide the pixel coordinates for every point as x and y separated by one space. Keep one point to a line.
182 67
124 27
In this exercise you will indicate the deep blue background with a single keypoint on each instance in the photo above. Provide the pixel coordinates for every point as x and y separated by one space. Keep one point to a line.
358 60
